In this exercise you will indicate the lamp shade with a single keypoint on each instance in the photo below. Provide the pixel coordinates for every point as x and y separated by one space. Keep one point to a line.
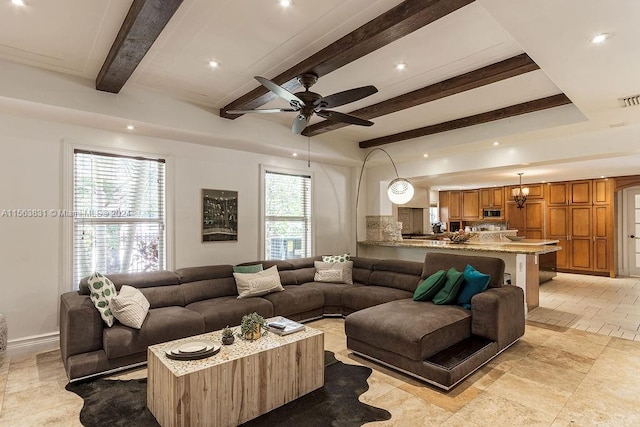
400 191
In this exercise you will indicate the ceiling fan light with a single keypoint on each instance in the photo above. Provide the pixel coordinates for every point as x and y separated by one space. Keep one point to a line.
400 191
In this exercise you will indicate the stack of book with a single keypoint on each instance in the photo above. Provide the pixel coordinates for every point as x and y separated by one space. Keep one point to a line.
284 326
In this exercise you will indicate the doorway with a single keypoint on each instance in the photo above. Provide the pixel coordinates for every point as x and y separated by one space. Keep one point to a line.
631 236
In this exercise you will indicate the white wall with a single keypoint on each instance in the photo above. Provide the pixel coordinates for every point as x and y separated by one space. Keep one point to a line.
31 256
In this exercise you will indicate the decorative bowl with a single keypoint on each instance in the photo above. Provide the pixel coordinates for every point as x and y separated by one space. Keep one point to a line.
515 238
459 237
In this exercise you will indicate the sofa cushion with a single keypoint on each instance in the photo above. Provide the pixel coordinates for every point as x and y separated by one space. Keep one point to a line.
362 268
295 299
285 269
332 293
357 297
102 291
397 274
474 283
258 284
207 289
449 292
161 325
430 286
164 296
222 311
410 328
137 280
129 307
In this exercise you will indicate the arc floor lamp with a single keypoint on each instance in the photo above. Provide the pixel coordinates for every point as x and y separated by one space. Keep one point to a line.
399 191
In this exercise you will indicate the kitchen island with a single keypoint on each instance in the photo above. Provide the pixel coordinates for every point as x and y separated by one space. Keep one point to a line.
522 259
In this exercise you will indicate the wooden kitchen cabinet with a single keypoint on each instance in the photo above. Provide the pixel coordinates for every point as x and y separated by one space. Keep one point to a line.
580 237
534 219
580 192
536 191
455 202
601 191
492 198
443 204
558 229
557 194
471 205
602 242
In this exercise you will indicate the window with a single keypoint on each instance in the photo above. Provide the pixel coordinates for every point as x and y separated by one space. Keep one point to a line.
118 214
287 215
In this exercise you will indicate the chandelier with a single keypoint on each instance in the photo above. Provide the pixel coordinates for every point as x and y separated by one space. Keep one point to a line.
520 194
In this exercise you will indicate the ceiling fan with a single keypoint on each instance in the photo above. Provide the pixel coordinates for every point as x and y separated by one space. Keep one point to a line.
307 102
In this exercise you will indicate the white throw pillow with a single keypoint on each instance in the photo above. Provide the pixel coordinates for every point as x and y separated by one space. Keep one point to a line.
257 284
331 276
102 291
130 307
346 267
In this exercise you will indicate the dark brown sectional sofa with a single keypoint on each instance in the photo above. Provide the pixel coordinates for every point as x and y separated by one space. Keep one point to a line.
382 320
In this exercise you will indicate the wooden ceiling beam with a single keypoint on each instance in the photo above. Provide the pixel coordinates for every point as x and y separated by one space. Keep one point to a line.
141 27
508 68
490 116
403 19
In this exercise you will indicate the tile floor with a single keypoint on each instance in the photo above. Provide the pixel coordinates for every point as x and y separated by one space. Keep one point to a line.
554 376
600 305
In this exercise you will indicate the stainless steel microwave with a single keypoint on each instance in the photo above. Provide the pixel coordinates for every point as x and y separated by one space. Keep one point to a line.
491 213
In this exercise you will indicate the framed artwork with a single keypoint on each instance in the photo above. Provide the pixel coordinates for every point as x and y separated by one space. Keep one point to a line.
219 215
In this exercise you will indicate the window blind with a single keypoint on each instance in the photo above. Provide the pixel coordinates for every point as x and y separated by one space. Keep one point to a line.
118 214
287 222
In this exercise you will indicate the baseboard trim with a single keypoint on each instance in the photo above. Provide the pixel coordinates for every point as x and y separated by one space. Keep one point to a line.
33 344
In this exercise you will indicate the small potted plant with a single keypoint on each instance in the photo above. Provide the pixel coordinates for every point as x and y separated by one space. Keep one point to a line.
251 326
227 336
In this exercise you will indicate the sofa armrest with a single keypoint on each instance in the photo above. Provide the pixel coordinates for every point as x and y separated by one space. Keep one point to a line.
498 314
80 325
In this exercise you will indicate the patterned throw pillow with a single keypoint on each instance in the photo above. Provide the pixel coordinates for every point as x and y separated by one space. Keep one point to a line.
336 258
102 290
130 307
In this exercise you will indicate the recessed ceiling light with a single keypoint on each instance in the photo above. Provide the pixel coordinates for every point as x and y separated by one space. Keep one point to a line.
18 3
130 127
496 143
295 154
602 176
425 155
544 182
214 64
600 38
401 66
285 3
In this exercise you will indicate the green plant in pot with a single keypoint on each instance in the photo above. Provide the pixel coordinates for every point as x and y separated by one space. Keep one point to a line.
227 336
251 326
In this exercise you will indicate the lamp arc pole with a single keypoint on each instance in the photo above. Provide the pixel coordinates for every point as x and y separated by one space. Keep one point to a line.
399 190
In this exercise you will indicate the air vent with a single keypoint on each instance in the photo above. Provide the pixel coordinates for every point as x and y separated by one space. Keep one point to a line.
630 101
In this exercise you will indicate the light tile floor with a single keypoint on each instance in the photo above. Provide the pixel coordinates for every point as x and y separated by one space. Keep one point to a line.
600 305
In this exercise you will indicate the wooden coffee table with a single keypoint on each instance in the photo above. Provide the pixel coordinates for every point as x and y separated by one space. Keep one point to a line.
243 381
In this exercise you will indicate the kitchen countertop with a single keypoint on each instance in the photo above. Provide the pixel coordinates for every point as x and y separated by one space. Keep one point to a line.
529 247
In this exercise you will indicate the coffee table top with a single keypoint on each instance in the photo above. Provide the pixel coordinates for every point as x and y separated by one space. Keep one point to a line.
239 349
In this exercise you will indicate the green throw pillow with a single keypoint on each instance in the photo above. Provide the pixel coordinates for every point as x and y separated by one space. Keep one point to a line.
255 268
102 290
449 292
430 286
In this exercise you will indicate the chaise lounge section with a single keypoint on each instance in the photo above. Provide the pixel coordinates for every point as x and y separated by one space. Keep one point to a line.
382 321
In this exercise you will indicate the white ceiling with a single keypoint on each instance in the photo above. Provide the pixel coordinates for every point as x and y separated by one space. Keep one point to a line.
249 37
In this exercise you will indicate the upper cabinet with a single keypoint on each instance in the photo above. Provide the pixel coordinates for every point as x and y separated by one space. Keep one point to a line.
471 205
492 198
455 202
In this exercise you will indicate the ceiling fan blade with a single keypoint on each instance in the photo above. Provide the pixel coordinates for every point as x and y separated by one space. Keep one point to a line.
345 97
299 123
263 110
280 91
344 118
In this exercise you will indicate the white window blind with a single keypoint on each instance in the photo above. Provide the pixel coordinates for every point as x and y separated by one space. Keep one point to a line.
287 210
118 214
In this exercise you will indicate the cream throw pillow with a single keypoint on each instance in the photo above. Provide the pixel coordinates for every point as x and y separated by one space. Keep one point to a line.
130 307
257 284
346 268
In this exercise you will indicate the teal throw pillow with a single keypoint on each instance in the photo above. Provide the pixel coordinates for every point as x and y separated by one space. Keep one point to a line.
474 283
430 286
255 268
449 292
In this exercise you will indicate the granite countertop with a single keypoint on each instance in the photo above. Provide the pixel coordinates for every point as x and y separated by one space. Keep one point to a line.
529 247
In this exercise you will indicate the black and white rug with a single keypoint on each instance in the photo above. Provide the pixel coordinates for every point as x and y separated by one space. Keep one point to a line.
124 403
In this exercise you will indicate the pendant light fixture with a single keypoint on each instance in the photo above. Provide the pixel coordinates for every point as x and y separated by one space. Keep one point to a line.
520 194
